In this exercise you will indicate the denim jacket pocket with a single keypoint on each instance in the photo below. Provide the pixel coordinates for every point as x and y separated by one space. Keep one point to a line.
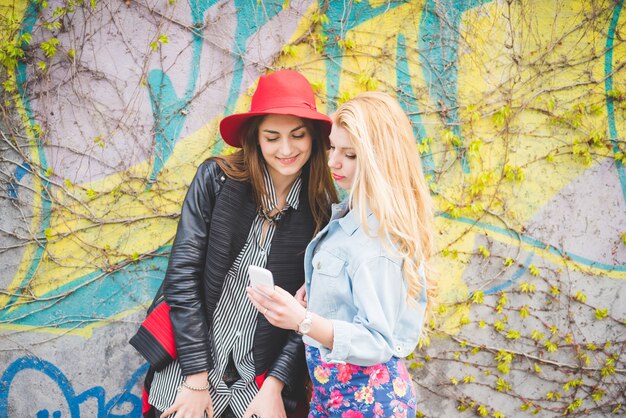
327 271
327 264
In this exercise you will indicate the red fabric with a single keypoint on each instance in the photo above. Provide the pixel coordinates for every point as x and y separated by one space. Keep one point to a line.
158 323
260 379
302 411
145 406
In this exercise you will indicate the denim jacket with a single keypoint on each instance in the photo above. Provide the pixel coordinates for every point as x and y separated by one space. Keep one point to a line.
354 281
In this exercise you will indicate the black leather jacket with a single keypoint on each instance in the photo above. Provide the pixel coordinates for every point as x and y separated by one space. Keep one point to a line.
210 235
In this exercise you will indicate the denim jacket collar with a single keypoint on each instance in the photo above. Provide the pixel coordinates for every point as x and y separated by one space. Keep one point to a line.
348 219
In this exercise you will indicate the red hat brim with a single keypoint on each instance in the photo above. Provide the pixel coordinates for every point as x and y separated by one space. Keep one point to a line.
230 126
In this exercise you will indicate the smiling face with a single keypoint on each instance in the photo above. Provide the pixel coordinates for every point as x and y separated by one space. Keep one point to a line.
286 145
342 157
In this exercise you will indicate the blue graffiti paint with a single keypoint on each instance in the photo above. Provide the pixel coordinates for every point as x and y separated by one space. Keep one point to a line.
91 298
514 278
438 43
20 171
65 312
439 47
126 395
250 17
407 100
44 413
536 243
170 111
169 118
342 17
608 86
74 401
28 23
198 9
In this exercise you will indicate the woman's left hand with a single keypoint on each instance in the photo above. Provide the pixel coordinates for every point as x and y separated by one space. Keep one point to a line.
279 307
268 402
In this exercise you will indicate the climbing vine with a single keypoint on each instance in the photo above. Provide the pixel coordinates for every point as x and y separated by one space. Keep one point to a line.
108 108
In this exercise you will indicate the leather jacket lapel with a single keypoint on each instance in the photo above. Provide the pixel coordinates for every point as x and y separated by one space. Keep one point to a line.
230 224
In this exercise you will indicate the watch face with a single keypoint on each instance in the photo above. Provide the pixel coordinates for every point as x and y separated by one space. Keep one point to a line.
305 326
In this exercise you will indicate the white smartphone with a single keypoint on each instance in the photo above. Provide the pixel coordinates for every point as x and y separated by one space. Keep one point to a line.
260 277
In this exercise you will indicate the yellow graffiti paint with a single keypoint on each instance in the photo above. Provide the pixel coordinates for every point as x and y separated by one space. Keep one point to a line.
524 74
514 96
122 220
13 10
16 10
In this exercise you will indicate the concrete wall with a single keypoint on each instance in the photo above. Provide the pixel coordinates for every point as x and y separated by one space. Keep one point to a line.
519 112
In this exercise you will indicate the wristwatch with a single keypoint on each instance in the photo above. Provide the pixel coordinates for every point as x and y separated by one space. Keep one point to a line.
305 325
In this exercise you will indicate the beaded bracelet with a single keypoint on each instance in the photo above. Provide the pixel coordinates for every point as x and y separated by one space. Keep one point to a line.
197 389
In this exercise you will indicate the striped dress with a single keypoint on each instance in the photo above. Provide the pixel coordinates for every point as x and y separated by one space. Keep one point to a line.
234 323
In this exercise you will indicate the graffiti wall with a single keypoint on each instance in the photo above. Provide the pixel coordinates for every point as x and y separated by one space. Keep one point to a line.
519 113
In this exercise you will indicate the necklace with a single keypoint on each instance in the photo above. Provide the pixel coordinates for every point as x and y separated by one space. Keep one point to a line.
266 214
262 237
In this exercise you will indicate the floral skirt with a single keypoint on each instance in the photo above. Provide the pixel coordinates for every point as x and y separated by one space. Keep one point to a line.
350 391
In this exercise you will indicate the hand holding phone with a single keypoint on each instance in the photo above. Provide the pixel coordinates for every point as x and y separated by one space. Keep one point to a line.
260 277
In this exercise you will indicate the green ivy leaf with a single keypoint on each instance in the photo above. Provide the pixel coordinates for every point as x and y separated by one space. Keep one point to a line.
574 405
533 270
289 50
469 379
551 346
524 312
526 287
536 335
513 334
499 325
478 297
502 385
597 394
601 313
49 47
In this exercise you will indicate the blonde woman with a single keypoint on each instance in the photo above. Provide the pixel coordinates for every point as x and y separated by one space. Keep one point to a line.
365 282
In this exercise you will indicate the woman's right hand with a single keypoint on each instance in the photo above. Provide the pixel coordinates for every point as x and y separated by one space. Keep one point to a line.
191 403
301 296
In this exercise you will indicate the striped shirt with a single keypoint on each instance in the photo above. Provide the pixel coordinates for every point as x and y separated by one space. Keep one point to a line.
234 321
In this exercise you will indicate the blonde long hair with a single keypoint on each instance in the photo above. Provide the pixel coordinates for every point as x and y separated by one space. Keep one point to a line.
390 182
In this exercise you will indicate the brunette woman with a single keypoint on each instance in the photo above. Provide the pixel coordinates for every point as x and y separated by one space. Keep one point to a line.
275 194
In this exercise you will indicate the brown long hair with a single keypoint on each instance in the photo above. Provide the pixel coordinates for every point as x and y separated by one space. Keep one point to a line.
247 165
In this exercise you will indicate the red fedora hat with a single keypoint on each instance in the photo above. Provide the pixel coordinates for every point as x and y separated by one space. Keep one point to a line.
285 92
